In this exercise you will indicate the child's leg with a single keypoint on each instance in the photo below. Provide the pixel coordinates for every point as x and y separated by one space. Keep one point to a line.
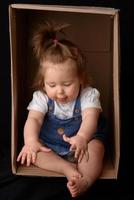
91 169
51 161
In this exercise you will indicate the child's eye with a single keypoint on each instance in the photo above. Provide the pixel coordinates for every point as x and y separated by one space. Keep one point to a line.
67 84
51 85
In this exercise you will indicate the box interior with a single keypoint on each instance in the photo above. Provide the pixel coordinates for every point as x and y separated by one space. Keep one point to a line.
94 35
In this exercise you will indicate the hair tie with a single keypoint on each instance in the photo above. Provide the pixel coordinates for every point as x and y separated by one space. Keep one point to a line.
55 41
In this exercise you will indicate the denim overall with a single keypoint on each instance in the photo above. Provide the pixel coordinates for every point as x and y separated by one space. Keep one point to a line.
53 129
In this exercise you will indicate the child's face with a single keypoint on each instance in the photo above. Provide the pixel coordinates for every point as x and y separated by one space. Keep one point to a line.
61 81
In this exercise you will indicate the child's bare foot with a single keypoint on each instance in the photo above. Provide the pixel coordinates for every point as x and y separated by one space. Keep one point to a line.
77 186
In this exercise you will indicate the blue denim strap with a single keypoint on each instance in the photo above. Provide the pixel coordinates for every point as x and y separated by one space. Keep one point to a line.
50 106
76 111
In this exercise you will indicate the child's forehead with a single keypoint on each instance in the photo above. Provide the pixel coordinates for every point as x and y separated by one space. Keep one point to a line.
69 64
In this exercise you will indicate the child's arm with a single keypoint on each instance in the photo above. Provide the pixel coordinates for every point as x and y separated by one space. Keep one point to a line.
89 123
79 143
32 126
31 138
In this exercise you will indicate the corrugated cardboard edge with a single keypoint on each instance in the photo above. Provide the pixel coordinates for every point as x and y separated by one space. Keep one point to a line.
116 87
80 9
13 111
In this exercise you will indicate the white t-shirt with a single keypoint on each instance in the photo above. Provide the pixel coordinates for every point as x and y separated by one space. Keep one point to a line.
89 98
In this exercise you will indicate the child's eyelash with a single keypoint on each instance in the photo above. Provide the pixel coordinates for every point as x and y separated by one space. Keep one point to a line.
67 84
51 85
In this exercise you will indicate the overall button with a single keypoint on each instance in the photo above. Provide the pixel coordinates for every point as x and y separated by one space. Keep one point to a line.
60 131
77 110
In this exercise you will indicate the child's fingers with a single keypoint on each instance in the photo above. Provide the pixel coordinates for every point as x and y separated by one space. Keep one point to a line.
19 156
34 154
28 158
81 156
66 139
45 149
77 153
73 147
23 158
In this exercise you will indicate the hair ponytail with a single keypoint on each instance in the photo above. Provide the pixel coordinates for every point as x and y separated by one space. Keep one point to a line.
46 36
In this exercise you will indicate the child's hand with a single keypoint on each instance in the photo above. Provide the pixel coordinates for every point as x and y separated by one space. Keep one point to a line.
79 145
29 152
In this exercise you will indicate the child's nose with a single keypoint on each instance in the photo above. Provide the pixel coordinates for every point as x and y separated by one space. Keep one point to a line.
60 90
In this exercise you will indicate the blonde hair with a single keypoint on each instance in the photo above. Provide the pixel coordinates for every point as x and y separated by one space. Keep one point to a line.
48 46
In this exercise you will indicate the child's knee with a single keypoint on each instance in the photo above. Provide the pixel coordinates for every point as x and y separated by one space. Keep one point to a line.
96 146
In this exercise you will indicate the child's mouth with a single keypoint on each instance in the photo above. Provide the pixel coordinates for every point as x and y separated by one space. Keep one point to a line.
62 100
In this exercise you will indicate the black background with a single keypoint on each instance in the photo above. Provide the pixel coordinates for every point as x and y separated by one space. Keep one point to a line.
37 188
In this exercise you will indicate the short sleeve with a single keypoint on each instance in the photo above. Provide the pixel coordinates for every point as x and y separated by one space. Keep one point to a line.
90 98
39 102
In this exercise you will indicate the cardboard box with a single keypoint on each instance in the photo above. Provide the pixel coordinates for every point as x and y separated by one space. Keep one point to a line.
95 30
